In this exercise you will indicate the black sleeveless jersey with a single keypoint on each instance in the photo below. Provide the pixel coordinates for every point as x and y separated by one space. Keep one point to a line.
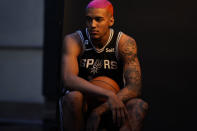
100 62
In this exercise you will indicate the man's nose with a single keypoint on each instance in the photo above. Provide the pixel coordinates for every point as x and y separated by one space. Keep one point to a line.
93 23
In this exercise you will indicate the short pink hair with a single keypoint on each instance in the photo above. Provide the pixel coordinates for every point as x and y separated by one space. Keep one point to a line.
101 4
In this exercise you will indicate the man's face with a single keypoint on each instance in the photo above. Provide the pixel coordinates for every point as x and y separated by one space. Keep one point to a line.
98 22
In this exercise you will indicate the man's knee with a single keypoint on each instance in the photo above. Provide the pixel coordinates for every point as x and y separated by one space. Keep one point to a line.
137 103
73 99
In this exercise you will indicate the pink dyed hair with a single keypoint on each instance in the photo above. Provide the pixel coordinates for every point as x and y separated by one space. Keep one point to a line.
101 4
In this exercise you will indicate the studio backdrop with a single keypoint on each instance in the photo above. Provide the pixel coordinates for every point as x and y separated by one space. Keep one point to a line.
165 33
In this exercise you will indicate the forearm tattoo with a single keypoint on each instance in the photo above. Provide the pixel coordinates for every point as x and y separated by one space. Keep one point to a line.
133 78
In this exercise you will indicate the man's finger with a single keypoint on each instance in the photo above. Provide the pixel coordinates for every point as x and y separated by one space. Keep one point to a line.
126 113
114 115
123 116
118 119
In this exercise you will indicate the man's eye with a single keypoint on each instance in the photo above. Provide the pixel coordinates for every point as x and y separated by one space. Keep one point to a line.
98 19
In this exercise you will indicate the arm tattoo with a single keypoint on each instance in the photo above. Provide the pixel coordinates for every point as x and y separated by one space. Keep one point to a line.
129 47
132 73
133 79
129 51
131 59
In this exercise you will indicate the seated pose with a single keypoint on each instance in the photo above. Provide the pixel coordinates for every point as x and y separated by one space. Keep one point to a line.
99 50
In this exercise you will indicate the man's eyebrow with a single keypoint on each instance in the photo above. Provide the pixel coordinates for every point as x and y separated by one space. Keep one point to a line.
99 17
87 16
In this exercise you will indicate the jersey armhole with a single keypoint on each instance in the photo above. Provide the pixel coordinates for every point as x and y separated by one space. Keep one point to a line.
82 41
81 36
117 43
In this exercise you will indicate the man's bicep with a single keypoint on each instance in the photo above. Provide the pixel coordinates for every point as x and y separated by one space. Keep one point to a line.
71 50
69 65
71 45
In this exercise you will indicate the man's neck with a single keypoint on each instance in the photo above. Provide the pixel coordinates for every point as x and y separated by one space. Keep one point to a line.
99 43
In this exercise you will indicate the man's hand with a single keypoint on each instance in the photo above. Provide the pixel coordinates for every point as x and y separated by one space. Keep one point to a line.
93 121
119 111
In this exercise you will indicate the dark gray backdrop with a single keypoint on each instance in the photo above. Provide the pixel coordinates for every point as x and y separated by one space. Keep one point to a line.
165 33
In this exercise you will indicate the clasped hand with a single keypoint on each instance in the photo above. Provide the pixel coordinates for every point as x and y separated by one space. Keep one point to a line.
119 113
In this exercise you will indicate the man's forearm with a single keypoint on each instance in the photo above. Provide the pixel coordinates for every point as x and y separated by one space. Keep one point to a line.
124 95
77 83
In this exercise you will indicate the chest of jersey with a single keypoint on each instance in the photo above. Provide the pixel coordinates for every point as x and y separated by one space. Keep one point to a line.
99 61
105 63
93 63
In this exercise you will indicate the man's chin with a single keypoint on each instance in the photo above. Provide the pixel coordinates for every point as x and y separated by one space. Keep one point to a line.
94 37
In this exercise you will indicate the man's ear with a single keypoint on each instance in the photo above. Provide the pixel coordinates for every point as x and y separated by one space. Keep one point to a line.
111 21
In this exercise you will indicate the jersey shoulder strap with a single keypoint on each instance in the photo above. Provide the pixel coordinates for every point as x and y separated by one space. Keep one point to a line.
115 41
84 38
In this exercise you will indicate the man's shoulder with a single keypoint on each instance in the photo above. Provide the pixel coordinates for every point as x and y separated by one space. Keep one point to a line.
127 45
125 37
72 42
74 36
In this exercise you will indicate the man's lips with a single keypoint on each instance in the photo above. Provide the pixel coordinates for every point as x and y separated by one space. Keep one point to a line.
93 32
